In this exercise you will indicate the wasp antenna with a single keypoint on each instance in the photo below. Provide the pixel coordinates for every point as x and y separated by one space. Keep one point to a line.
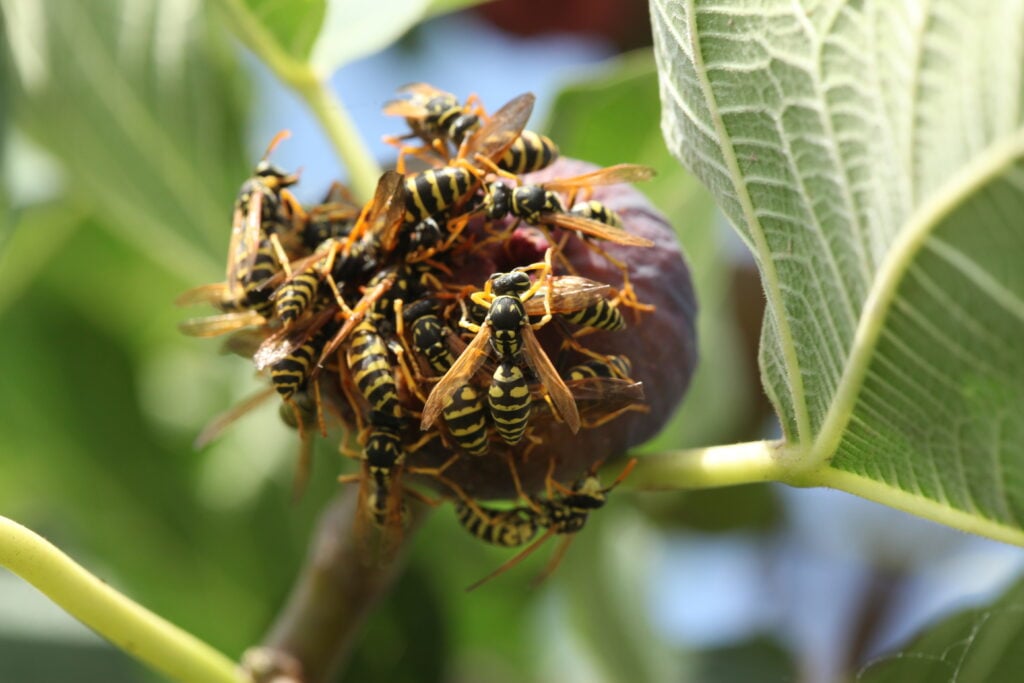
281 135
622 475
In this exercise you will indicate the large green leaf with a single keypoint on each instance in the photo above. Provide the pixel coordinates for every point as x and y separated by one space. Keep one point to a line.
976 645
141 104
870 155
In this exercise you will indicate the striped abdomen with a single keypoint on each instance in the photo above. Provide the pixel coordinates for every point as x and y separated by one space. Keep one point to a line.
613 366
530 152
509 400
508 528
383 454
370 365
289 374
467 420
429 193
295 296
596 211
601 315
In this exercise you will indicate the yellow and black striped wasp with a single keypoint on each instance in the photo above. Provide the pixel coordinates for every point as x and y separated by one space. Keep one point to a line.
564 511
463 412
435 191
437 117
510 300
264 210
265 213
541 204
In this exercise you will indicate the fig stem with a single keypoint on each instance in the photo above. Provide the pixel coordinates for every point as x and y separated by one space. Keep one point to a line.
335 591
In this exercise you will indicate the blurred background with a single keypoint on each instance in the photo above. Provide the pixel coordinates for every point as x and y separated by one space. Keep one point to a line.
126 127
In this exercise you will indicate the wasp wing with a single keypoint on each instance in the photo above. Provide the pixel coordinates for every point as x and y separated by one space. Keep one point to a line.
611 175
468 362
596 229
535 356
569 293
216 325
501 130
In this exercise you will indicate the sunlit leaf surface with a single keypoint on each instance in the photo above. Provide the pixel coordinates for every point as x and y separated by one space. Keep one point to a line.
870 155
294 24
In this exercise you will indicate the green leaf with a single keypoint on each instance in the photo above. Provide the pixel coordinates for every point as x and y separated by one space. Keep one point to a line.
142 105
294 24
975 645
871 154
357 28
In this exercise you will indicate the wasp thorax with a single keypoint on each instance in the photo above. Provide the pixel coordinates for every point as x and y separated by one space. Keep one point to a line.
532 199
510 283
507 313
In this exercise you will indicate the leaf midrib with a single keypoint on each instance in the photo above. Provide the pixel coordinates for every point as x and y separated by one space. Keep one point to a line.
912 237
770 278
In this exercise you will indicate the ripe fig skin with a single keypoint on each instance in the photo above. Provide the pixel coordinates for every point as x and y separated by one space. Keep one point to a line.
662 346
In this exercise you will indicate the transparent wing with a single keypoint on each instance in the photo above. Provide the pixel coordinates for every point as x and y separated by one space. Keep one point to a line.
552 381
285 341
460 372
595 229
216 325
501 130
611 175
569 293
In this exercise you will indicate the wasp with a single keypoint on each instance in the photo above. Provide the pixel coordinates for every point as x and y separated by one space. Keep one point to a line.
509 528
564 511
463 412
435 116
332 218
541 204
264 210
511 299
430 193
264 213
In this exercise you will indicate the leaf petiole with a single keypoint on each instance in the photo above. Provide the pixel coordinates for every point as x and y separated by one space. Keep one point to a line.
131 627
314 89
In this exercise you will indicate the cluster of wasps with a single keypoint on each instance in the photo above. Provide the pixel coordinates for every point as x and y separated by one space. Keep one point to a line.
358 314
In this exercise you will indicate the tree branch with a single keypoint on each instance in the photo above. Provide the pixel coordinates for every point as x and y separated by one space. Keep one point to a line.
335 592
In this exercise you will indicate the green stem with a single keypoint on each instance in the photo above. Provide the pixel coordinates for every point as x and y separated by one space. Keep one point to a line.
313 88
126 624
741 463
